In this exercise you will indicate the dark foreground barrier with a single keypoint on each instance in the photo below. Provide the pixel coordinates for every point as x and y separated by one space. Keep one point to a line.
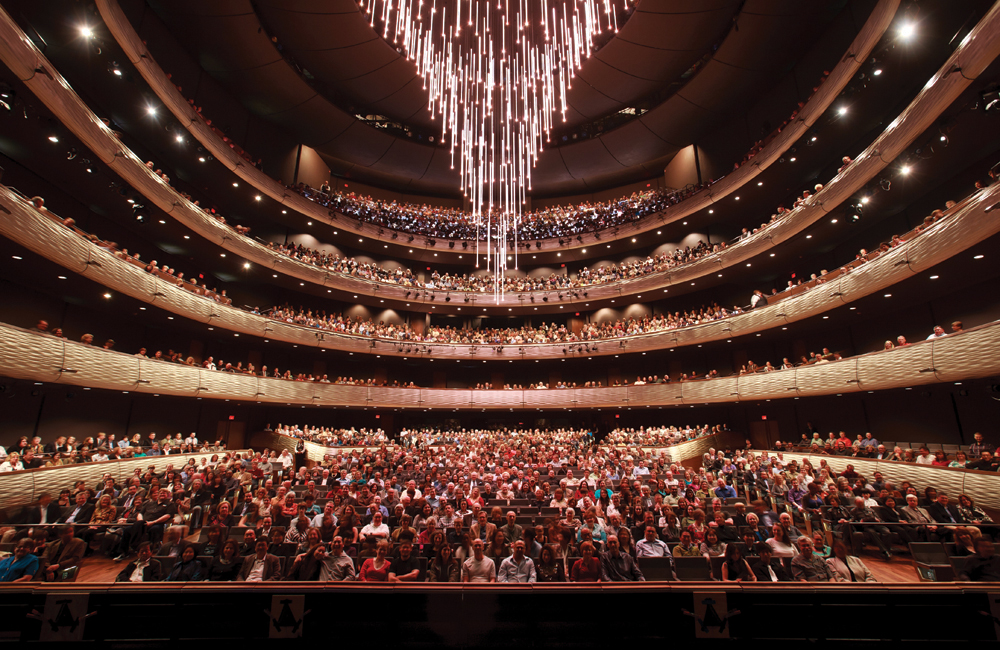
509 616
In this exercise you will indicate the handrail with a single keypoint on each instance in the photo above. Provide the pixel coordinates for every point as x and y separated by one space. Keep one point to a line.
40 357
968 225
840 75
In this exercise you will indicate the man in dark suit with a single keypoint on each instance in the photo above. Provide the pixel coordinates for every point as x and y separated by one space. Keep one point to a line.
143 569
944 512
46 511
769 568
81 511
65 552
58 445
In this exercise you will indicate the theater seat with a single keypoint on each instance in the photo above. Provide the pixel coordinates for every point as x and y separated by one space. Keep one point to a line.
693 569
656 569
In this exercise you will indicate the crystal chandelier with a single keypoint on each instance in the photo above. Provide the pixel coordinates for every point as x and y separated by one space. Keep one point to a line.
497 72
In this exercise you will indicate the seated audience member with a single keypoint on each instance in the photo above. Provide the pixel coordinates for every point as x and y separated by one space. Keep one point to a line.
22 565
849 567
588 567
261 566
444 567
376 569
405 567
65 552
986 462
478 568
651 545
308 566
984 566
735 568
768 568
686 548
226 566
337 566
617 566
143 569
808 567
188 567
548 568
518 567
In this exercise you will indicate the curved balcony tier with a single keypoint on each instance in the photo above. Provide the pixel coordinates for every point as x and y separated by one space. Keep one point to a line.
967 224
840 75
957 357
975 53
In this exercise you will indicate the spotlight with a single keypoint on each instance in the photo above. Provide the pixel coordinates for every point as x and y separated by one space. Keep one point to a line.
151 110
877 72
842 110
53 138
140 212
907 30
86 32
904 170
7 95
990 97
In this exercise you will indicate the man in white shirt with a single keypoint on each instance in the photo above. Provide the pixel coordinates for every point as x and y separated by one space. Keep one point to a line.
925 457
478 568
327 512
375 529
937 333
651 545
518 567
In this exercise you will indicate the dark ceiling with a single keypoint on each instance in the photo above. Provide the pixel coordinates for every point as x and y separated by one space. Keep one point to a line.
310 66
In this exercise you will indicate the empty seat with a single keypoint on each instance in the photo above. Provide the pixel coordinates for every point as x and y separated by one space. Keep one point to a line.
693 569
657 569
931 561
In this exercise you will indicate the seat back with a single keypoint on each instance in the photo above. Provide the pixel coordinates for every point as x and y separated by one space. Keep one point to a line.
693 569
656 569
929 553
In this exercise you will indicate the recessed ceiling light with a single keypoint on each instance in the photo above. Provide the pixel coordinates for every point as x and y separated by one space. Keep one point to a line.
62 277
151 110
842 110
935 277
977 257
308 223
86 32
18 257
877 71
888 295
833 221
201 158
107 295
162 221
179 138
236 184
809 236
53 138
222 254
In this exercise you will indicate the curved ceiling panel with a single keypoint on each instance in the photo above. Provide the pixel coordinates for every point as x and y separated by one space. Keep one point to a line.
336 46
